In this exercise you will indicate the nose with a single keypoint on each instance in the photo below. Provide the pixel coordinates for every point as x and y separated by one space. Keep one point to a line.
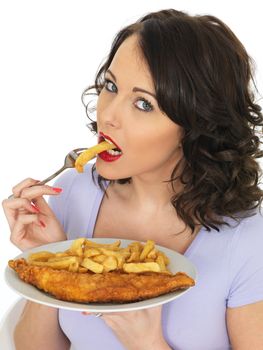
109 113
112 123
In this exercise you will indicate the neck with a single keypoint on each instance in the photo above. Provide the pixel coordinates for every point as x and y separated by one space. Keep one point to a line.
151 193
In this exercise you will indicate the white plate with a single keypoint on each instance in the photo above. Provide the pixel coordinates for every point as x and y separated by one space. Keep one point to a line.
177 263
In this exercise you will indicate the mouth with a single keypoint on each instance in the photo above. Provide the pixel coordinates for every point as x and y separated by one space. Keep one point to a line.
112 154
104 137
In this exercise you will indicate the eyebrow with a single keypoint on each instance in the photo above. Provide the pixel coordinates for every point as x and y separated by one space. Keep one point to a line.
135 89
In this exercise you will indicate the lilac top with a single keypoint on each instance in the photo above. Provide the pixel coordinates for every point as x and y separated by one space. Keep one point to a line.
229 265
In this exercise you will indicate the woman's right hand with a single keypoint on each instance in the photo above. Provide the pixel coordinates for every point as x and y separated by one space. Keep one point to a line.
32 223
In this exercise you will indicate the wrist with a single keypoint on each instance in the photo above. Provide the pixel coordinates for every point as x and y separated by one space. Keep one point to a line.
159 344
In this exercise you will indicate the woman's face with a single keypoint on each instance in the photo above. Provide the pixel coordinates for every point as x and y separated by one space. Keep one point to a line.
148 139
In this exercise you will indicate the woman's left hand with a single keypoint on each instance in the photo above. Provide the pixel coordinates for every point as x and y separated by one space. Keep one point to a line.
138 330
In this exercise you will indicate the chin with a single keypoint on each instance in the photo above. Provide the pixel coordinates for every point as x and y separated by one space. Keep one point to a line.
108 173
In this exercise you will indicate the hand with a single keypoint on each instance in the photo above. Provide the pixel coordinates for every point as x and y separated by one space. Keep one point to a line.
31 221
138 330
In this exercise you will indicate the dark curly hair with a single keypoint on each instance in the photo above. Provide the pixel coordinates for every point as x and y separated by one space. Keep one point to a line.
203 81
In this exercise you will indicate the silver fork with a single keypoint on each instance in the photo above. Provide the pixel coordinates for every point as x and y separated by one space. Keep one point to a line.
69 162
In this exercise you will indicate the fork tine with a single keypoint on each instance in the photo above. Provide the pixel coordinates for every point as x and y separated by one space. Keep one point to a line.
75 153
80 149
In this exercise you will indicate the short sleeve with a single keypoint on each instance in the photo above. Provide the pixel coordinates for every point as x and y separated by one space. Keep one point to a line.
246 264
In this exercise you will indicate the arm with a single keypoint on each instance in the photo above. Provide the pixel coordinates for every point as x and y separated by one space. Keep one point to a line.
38 328
33 223
245 325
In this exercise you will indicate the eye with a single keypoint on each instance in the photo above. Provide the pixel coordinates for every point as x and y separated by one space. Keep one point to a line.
110 86
144 105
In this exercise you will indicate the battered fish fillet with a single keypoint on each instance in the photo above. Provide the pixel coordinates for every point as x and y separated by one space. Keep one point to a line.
100 288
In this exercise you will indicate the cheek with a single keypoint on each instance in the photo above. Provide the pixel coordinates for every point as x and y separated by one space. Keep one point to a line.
158 146
100 104
151 140
103 102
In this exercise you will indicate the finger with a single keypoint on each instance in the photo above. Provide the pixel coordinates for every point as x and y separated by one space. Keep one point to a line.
19 231
152 312
43 206
17 189
11 207
19 203
39 191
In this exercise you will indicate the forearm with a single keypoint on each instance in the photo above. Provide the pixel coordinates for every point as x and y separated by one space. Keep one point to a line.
38 328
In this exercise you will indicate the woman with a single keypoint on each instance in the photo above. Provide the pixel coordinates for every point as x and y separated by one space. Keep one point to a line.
174 95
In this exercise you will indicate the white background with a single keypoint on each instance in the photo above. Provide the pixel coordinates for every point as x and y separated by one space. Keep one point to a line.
50 51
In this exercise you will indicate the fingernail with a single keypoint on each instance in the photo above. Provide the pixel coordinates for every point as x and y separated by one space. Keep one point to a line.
57 189
35 207
42 223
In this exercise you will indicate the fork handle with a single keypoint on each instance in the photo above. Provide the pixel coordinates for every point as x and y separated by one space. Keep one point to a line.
51 177
43 182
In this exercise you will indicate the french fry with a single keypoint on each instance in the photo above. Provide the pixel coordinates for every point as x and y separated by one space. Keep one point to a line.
60 264
120 255
90 153
64 258
111 246
90 252
121 261
152 254
62 254
161 263
135 256
92 265
99 258
141 267
146 250
136 247
77 246
110 264
40 256
165 258
108 252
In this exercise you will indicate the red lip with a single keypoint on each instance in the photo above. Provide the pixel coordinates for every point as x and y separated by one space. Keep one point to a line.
108 157
102 136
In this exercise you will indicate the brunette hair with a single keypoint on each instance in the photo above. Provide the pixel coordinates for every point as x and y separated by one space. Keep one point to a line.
203 82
